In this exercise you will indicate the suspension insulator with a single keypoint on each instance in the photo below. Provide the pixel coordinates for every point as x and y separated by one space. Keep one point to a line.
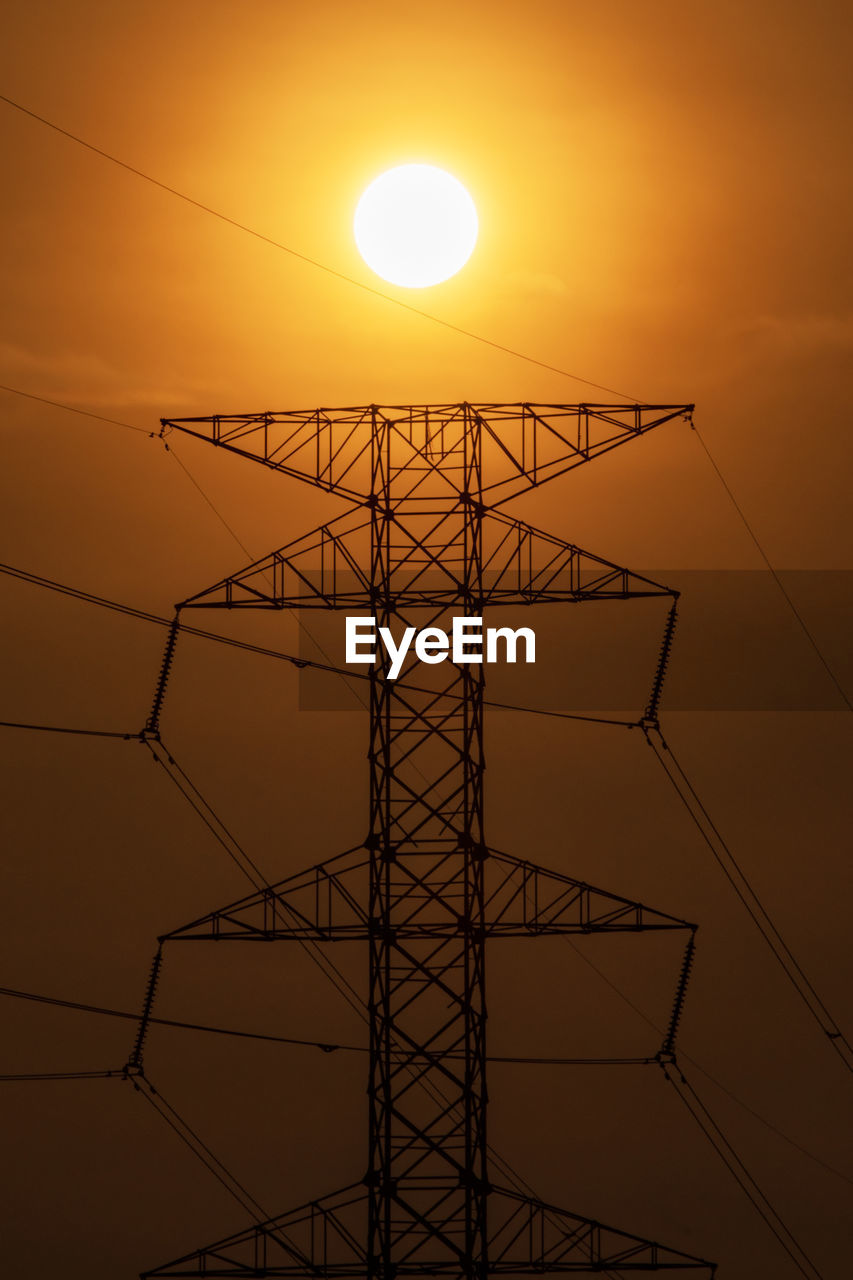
651 712
668 1046
152 726
135 1060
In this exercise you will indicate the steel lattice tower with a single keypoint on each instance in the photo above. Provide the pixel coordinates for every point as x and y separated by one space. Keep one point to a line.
423 540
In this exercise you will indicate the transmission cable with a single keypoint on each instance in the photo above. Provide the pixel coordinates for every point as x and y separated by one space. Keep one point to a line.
173 453
65 1075
768 1124
199 1149
90 598
741 1174
809 634
749 897
216 828
329 1047
54 728
277 244
84 413
323 1045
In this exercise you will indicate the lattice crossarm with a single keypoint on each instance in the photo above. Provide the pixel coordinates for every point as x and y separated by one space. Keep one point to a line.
317 1239
522 899
524 565
528 1236
328 449
327 902
530 444
322 569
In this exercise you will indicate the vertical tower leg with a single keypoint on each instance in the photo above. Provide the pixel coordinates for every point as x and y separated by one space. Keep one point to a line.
427 1090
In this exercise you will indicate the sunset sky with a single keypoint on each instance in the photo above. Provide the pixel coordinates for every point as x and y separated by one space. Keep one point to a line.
664 200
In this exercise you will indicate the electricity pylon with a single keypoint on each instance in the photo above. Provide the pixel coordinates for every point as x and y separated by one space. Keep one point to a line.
425 539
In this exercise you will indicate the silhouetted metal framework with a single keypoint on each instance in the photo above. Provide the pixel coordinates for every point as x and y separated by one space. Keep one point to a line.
423 541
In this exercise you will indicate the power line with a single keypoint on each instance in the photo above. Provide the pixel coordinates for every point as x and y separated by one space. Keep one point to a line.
748 895
313 262
561 715
329 1047
89 597
103 602
65 1075
768 1124
54 728
78 594
220 1171
214 825
84 413
774 574
324 1046
199 1149
174 454
741 1173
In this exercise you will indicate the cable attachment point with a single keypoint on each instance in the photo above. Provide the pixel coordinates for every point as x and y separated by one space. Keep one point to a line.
653 726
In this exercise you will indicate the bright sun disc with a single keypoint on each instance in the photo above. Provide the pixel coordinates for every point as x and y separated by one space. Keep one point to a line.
415 226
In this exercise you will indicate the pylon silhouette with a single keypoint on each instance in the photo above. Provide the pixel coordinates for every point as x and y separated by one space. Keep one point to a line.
424 540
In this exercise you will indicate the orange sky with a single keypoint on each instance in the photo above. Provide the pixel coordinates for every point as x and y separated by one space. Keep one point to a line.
663 203
664 194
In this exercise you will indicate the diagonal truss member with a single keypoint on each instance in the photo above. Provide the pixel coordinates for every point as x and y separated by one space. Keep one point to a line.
422 542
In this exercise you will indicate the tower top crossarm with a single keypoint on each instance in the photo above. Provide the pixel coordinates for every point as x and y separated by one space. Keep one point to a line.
524 444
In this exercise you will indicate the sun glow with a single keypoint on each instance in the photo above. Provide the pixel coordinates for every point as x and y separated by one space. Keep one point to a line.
415 226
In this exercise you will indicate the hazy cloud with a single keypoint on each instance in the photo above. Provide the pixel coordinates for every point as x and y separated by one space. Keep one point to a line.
805 332
85 379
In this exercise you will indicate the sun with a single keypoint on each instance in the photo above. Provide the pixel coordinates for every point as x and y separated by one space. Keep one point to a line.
415 226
